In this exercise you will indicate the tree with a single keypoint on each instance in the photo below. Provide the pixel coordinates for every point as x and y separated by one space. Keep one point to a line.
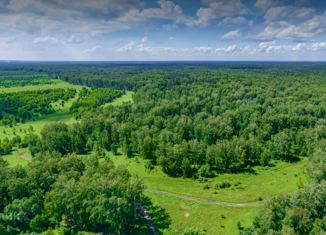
265 157
114 149
186 167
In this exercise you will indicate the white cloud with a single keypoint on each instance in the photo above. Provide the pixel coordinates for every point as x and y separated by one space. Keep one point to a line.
284 30
74 39
80 8
95 50
204 15
127 47
236 21
167 10
46 40
141 48
265 4
231 36
288 12
144 39
227 7
171 38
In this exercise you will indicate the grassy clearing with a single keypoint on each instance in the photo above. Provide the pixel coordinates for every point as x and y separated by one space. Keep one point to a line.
185 214
262 182
18 157
123 99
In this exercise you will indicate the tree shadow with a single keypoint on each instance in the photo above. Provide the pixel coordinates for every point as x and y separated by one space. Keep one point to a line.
159 215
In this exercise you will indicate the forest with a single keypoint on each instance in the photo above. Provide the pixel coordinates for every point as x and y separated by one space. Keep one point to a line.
19 106
190 120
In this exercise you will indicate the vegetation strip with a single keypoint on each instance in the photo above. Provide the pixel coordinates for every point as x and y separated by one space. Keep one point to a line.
204 200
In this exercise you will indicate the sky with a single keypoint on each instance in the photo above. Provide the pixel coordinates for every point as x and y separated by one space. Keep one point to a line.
163 30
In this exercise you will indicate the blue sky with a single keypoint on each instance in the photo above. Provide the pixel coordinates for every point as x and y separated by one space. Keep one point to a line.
126 30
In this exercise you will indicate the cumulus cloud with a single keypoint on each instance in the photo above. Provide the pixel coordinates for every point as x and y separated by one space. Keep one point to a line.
141 48
227 7
81 8
231 36
235 21
167 10
94 50
289 12
265 4
74 39
204 15
284 30
127 47
46 40
144 39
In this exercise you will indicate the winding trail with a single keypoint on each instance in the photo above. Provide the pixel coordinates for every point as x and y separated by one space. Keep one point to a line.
204 200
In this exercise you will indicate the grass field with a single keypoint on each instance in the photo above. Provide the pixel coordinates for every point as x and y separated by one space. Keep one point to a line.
125 98
261 182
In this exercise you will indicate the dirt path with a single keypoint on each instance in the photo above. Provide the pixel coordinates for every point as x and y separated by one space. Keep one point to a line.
149 220
204 200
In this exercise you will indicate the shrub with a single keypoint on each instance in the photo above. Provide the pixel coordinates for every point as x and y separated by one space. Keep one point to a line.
205 186
223 184
204 170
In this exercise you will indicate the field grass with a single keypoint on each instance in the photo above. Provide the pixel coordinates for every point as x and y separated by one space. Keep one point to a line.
186 214
18 157
261 182
264 182
123 99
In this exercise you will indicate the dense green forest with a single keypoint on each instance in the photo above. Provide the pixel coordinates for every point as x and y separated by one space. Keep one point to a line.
19 106
83 194
192 120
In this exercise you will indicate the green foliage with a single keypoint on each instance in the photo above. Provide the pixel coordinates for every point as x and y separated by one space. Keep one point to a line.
91 99
80 193
223 184
25 105
21 79
114 149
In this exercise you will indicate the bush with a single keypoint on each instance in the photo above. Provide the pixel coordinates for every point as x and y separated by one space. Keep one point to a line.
64 231
205 170
205 186
237 183
194 231
223 184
